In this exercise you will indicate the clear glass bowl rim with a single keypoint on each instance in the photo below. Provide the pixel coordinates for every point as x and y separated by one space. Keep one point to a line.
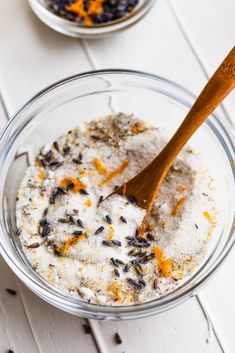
79 307
73 29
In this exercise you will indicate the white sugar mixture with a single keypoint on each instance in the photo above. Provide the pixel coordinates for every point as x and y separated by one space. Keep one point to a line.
88 246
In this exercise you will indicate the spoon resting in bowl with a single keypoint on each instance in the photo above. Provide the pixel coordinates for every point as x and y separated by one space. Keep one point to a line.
143 188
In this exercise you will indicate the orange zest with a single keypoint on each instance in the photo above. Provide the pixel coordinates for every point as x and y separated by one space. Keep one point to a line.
83 172
77 185
88 203
177 206
164 265
99 166
114 173
110 233
164 224
69 242
95 7
115 289
138 127
182 187
41 174
207 215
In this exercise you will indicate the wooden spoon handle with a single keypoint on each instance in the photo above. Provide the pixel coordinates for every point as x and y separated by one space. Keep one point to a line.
218 87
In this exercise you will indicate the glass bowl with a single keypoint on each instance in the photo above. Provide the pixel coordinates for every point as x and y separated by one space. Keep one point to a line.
65 105
95 31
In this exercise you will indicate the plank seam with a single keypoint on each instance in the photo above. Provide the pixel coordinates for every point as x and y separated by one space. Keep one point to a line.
2 102
210 323
88 54
197 56
97 336
28 319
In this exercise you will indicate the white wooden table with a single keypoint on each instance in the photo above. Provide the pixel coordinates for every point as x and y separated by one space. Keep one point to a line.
182 40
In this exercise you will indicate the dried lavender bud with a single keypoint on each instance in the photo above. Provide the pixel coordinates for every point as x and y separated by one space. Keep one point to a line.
107 243
130 238
56 146
66 150
150 237
62 220
44 228
133 282
138 271
114 262
87 329
33 245
77 233
131 252
100 200
111 243
117 338
55 165
127 267
147 258
99 230
123 219
80 223
45 212
117 273
155 283
48 156
18 231
72 220
70 186
76 161
11 291
108 219
142 282
83 192
116 242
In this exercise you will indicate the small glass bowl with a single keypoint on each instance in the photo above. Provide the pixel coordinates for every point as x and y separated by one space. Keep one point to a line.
65 105
95 31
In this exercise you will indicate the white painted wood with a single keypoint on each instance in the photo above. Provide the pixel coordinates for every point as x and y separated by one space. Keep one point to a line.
182 329
150 50
33 56
210 47
15 330
156 45
54 330
218 298
11 307
210 29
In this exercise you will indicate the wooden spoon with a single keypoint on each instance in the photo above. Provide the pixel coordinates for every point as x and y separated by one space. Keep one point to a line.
145 185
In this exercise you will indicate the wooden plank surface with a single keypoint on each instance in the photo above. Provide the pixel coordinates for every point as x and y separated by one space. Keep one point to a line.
182 329
35 56
211 38
209 27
